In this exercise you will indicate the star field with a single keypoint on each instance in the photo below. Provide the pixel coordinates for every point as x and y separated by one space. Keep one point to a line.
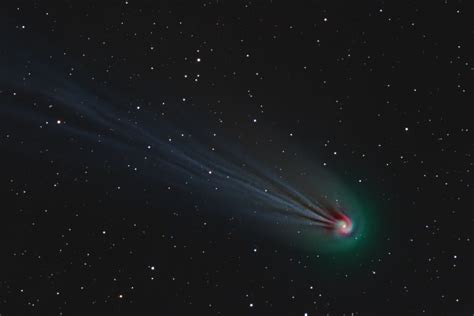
101 103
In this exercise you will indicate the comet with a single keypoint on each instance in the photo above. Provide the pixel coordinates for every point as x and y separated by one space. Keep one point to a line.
184 156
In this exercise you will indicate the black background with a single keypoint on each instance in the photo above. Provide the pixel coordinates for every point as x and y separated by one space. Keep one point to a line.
349 75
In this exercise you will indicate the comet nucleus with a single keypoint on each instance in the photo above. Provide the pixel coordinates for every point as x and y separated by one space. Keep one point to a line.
343 226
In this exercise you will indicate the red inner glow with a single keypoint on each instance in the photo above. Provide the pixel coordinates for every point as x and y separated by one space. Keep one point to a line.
343 225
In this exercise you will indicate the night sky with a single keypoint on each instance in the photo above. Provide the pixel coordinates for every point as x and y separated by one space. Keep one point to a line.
162 158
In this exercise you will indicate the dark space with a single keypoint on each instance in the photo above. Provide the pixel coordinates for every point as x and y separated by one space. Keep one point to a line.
93 221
